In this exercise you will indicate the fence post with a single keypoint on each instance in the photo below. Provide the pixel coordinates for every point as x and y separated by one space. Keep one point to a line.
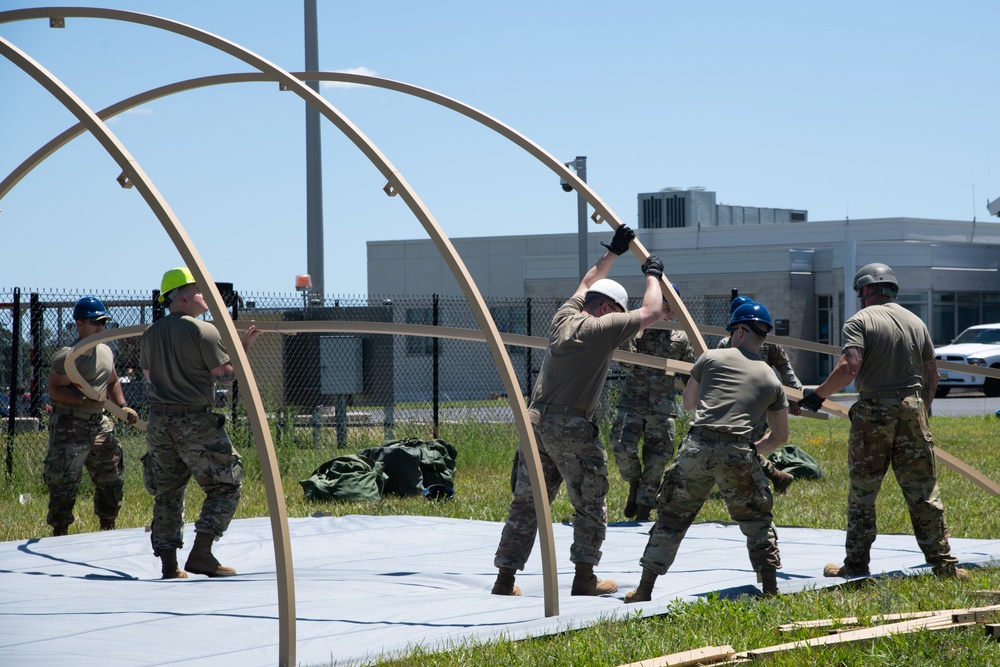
527 355
317 425
389 413
35 324
434 364
15 364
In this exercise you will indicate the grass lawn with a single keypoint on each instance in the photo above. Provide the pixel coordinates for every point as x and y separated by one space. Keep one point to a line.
482 485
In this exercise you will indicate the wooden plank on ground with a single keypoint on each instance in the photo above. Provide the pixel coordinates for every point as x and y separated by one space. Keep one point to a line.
854 620
862 634
707 655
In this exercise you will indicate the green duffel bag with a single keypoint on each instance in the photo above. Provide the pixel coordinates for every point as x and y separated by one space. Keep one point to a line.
348 478
796 462
412 465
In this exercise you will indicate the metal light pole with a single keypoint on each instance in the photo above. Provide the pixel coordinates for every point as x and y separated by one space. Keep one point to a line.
314 167
579 165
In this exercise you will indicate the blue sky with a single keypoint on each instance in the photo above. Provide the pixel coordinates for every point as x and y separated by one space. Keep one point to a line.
855 109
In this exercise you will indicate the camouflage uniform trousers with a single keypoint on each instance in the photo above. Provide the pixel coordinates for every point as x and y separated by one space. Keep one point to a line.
893 433
73 445
657 433
179 446
570 451
699 466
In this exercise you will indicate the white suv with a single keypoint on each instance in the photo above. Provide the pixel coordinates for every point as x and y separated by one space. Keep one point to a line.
978 346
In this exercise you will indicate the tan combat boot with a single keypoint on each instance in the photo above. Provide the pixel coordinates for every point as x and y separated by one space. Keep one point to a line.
644 593
630 504
834 570
951 571
201 560
504 584
781 480
768 578
586 582
168 561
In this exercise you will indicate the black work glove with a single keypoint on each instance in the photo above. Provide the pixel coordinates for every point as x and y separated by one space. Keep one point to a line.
653 266
619 244
811 401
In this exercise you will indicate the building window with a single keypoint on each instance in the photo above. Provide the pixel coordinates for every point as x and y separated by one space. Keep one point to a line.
954 312
419 345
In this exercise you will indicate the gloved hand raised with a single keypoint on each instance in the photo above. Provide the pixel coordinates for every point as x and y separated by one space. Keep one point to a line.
811 401
653 266
619 244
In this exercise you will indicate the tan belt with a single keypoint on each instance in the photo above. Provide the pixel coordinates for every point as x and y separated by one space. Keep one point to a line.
557 409
896 394
165 407
79 414
717 436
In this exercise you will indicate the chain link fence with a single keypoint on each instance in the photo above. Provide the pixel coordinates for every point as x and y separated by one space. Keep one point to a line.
314 385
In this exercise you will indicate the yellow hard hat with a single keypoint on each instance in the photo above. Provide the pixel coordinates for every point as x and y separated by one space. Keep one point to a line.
175 278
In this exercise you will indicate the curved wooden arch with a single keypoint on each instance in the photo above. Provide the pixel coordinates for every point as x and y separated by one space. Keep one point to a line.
454 333
132 173
601 213
255 407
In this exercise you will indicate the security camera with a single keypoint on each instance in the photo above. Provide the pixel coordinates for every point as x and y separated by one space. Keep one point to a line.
569 188
994 207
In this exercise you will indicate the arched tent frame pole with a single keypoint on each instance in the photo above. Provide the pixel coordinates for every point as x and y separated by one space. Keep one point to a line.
133 175
601 211
453 333
396 185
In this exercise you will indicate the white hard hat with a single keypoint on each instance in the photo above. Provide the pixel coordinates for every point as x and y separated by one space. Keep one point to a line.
612 290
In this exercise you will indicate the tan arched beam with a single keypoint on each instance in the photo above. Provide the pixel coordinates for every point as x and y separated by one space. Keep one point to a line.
134 175
601 211
396 185
832 350
454 333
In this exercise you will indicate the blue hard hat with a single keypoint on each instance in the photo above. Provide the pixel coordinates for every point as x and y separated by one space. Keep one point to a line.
677 291
737 302
752 314
90 308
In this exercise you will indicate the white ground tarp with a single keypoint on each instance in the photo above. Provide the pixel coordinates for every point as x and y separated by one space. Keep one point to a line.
364 586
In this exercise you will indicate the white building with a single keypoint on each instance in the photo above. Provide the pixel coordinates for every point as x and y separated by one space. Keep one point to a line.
947 269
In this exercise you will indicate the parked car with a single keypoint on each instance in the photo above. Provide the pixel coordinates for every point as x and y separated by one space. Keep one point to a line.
978 346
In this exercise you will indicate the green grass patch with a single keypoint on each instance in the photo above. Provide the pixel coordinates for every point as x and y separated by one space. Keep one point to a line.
485 452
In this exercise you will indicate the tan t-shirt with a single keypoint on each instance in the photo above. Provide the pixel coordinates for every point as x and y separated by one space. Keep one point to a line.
736 388
579 353
180 352
894 344
96 367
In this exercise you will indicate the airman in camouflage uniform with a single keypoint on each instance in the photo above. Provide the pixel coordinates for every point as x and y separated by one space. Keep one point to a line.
729 390
183 357
80 435
584 334
889 354
775 357
647 409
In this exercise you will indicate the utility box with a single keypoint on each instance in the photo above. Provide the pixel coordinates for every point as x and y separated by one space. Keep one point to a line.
341 365
781 327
